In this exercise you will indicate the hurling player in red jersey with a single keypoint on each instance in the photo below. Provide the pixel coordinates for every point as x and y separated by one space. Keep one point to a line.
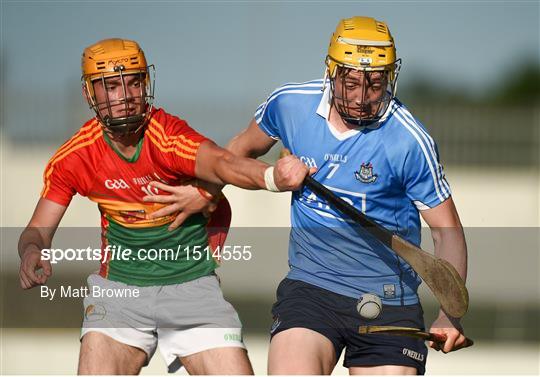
111 160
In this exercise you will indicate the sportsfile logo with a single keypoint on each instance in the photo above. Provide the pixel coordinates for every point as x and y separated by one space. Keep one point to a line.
116 184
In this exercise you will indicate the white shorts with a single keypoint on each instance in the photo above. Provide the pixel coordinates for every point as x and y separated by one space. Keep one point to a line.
182 319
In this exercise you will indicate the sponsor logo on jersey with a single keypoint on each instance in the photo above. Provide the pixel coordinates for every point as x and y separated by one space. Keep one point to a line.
389 290
413 354
116 184
365 174
322 208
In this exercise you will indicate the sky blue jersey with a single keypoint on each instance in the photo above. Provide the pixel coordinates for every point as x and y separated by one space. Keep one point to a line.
389 171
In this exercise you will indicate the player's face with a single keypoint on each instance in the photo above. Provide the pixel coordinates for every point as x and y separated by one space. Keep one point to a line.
359 93
120 97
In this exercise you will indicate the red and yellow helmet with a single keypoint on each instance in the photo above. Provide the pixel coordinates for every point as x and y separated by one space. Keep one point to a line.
121 58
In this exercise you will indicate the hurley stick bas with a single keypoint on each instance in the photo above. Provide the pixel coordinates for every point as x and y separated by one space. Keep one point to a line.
412 332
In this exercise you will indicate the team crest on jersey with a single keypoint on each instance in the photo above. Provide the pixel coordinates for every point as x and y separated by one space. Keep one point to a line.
365 174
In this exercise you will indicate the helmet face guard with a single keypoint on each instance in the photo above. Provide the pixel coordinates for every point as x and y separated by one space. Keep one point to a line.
129 112
362 97
362 68
118 85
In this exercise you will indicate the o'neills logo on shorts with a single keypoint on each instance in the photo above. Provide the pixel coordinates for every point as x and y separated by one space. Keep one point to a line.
413 354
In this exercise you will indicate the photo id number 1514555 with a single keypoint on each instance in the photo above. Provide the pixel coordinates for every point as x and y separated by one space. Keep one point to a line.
225 253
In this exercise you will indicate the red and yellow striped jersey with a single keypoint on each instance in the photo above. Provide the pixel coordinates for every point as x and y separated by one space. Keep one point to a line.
88 164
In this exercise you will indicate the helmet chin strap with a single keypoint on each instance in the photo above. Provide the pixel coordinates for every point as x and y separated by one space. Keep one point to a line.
361 123
126 125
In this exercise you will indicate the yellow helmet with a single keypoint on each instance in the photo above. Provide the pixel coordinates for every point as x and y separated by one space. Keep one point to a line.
363 44
117 57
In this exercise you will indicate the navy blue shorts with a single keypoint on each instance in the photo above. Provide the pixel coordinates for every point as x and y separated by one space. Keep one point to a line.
300 304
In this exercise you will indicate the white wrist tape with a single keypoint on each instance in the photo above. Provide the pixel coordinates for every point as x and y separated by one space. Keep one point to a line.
269 179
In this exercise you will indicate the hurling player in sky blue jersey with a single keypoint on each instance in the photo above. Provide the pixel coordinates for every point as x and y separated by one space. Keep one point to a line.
370 150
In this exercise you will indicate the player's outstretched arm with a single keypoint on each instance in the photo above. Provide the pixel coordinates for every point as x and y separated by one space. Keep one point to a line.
449 242
186 200
36 236
218 165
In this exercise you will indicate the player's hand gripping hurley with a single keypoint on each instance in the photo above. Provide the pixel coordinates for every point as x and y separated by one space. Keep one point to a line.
412 332
439 275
